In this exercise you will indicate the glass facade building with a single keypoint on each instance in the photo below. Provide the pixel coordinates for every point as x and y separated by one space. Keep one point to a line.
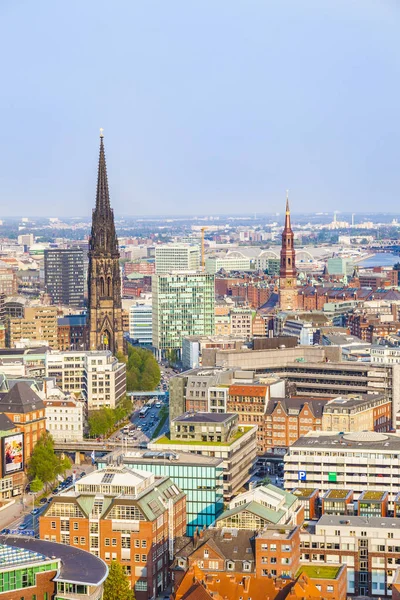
201 479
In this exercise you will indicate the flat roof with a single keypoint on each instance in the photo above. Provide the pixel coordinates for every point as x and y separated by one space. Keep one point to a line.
165 457
320 571
363 440
355 521
77 566
204 417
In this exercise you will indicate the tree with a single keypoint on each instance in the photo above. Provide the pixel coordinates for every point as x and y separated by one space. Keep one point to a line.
116 586
142 370
36 485
44 464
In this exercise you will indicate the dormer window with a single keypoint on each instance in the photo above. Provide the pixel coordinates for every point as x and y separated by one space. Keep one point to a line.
206 554
230 565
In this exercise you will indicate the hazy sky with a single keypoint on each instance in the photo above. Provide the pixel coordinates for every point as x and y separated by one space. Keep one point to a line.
208 106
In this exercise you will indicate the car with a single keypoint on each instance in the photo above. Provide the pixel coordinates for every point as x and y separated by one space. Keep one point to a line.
43 501
55 491
5 531
22 527
139 427
35 511
82 475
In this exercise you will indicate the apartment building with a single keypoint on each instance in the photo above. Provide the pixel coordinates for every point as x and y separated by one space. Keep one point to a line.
64 418
72 332
63 275
242 322
176 257
355 461
96 375
368 546
358 413
121 514
216 435
38 324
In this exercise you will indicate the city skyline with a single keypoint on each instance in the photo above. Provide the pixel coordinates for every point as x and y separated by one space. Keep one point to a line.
273 96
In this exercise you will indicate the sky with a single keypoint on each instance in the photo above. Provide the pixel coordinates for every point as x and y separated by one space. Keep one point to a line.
208 106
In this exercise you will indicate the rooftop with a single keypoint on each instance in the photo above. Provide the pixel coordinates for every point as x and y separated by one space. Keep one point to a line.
20 399
204 417
319 571
337 494
146 457
354 521
367 495
369 440
166 440
304 492
77 566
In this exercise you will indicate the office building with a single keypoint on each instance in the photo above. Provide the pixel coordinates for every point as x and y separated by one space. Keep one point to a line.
141 323
121 514
177 257
63 276
216 435
241 322
183 304
352 461
199 477
213 264
34 569
104 277
39 324
97 376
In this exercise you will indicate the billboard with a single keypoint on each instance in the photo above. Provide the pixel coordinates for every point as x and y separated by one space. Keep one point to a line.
13 453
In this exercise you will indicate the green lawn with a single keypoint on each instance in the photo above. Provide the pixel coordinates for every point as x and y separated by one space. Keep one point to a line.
167 440
319 572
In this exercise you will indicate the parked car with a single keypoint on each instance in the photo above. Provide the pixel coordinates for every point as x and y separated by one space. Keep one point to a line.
5 531
43 501
35 511
22 527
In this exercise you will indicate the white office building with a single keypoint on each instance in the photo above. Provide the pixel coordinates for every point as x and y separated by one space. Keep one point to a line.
384 355
177 257
141 323
358 461
96 375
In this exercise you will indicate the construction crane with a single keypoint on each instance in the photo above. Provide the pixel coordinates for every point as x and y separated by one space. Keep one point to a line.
203 258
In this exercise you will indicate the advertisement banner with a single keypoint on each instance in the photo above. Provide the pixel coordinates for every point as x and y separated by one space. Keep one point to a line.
13 453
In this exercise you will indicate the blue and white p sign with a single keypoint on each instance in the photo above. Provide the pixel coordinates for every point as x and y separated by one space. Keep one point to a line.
302 476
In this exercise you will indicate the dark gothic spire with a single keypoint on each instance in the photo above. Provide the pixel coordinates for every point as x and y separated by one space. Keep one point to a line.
102 195
103 240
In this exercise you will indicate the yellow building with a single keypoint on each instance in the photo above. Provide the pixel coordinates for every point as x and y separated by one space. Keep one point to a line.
38 324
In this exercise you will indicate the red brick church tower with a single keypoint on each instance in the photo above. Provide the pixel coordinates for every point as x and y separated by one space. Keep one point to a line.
287 275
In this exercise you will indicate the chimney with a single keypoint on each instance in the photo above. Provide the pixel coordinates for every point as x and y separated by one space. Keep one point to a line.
195 537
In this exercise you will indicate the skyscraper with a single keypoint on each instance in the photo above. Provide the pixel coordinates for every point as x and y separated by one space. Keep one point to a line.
183 304
287 280
104 277
177 257
63 275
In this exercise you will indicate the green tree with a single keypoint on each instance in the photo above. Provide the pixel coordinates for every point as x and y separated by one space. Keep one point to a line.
36 485
44 464
142 370
116 586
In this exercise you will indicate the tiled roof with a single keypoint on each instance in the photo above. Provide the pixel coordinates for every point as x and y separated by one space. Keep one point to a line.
257 391
20 399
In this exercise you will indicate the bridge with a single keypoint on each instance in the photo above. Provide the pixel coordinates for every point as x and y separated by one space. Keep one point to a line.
382 244
90 445
146 394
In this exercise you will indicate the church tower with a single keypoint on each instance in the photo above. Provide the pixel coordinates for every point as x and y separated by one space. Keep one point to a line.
287 276
104 278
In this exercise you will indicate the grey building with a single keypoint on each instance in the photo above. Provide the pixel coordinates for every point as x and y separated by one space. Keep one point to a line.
204 427
63 275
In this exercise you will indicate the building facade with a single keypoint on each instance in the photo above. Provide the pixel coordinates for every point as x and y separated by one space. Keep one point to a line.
39 324
63 275
104 278
141 323
120 514
183 304
177 257
64 419
97 376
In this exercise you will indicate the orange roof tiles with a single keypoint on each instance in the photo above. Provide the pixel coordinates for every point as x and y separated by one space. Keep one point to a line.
257 391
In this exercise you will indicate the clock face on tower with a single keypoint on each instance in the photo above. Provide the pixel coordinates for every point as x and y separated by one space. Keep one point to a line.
289 282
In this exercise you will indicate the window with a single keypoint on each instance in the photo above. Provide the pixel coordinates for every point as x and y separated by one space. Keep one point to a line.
137 557
83 541
114 541
107 541
76 525
53 524
144 558
329 588
76 540
144 543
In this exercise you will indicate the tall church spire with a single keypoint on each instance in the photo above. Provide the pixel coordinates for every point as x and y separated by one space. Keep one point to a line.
287 280
287 215
103 238
104 277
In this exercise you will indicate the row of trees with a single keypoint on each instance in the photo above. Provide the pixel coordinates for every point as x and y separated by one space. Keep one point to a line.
44 465
104 420
142 370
